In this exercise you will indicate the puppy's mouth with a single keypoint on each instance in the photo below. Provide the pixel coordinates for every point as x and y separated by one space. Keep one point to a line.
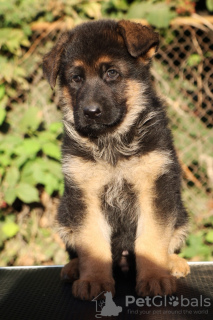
95 129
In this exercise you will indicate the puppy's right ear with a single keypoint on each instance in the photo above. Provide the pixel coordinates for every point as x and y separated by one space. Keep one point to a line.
52 60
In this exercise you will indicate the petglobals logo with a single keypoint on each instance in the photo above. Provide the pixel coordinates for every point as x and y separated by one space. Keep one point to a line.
159 301
173 301
106 307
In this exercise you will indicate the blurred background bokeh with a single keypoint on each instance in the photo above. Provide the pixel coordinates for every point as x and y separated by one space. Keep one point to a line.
30 117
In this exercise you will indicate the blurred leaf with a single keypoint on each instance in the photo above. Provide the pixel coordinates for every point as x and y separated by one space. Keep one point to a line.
28 147
157 14
12 176
56 127
208 54
2 115
33 173
209 5
161 15
46 136
138 10
52 150
7 69
51 183
20 160
27 193
9 142
10 195
3 102
1 173
13 38
2 91
31 119
121 4
194 60
55 168
5 160
196 247
92 9
10 228
43 171
19 76
209 236
28 176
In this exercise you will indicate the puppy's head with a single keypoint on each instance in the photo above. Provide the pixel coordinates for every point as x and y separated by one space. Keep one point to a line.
100 65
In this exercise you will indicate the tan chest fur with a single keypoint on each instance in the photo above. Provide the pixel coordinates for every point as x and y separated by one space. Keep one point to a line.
140 172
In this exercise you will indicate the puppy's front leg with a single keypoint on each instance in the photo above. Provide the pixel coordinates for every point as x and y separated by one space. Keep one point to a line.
151 250
94 253
153 276
155 227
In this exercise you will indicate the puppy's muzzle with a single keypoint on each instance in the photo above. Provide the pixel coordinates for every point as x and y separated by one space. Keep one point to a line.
92 112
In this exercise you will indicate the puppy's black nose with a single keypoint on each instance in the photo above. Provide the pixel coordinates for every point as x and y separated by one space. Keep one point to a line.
92 112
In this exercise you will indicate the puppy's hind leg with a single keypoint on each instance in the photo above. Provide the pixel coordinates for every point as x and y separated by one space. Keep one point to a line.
177 265
70 272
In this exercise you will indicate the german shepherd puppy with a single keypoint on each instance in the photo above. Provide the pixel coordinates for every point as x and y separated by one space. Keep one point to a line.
122 177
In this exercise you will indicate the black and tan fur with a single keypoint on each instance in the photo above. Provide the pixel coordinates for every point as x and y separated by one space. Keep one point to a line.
122 177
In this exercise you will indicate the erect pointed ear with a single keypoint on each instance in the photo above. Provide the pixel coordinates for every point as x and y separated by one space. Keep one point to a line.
51 61
140 40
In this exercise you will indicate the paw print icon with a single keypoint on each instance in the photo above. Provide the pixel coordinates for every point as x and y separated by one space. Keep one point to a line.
173 301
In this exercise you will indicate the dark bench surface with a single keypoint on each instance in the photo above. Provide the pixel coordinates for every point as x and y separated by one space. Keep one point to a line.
37 293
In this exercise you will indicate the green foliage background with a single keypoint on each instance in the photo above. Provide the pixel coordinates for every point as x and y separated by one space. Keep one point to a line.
30 122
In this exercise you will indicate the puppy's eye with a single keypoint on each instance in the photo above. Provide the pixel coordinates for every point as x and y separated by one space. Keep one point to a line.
112 74
76 78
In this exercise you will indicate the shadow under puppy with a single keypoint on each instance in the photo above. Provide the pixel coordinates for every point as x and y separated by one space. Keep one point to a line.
122 177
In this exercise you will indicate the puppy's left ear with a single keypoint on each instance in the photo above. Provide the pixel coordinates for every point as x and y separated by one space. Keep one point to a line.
52 60
140 40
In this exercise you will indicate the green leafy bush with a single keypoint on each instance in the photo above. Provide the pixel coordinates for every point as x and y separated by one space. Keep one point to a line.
30 157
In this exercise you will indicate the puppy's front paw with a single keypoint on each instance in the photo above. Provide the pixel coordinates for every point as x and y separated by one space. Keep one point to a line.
70 272
178 266
89 289
156 284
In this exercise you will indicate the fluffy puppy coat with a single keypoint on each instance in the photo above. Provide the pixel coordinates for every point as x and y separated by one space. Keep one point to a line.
121 173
